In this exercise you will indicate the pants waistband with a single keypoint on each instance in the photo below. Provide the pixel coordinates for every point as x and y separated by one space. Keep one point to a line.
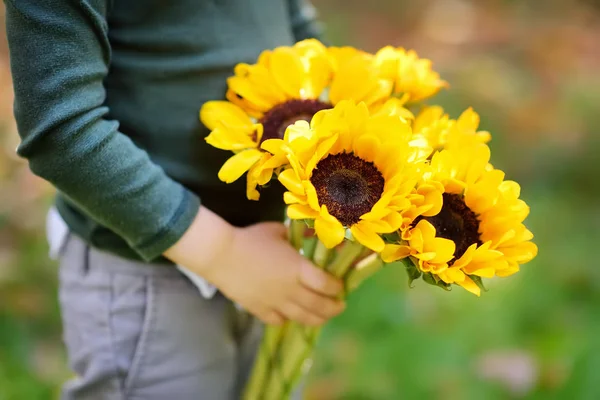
114 263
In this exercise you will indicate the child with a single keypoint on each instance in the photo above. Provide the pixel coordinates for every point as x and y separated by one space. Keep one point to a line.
107 99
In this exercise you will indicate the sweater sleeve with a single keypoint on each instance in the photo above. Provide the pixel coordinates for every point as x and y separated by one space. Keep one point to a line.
60 54
303 16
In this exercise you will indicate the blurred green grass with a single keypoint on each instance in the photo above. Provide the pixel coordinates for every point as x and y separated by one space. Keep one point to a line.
531 74
540 324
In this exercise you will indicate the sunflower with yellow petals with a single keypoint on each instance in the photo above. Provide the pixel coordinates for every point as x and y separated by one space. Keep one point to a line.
341 55
286 85
413 77
479 231
348 170
441 131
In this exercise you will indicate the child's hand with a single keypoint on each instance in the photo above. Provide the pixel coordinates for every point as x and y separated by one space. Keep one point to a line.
263 273
258 268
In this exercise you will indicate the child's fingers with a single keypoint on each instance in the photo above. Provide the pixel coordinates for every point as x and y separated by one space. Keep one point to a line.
296 313
277 229
323 306
270 317
319 281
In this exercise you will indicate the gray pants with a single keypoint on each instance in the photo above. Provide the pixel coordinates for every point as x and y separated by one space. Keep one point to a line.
142 331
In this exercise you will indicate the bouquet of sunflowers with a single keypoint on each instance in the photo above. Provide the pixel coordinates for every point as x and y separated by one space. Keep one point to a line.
368 181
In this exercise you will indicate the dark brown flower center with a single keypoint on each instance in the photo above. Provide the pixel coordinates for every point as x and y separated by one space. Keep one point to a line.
277 119
456 222
348 185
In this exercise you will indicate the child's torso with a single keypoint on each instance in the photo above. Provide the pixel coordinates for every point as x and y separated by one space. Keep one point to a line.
169 57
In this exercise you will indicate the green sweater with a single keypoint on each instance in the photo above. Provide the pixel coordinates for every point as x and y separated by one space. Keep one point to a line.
107 94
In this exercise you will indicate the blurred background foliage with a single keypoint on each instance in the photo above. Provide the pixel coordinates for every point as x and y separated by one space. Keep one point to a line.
530 69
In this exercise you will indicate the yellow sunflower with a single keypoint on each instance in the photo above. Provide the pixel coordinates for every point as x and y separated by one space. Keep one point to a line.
440 131
425 200
340 56
232 129
286 85
479 230
413 76
396 107
348 169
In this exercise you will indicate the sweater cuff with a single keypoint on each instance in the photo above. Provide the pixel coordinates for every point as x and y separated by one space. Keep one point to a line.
179 223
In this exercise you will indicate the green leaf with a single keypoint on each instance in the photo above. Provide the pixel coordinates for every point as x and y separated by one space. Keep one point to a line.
393 237
428 278
412 271
478 282
434 280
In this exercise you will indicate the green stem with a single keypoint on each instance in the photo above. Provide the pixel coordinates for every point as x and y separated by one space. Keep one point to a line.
296 232
299 341
269 361
349 252
259 371
308 250
321 255
296 346
363 270
265 364
284 351
366 252
307 335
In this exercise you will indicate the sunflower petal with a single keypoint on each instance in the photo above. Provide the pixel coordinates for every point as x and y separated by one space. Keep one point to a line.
444 250
427 117
433 197
328 229
367 237
273 146
521 253
485 272
366 147
301 211
260 78
427 230
480 156
471 286
252 181
251 109
354 80
251 192
388 127
291 198
394 107
214 113
235 167
382 89
289 179
230 139
318 76
513 269
274 162
394 220
243 88
322 149
288 71
468 121
394 252
311 195
387 62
